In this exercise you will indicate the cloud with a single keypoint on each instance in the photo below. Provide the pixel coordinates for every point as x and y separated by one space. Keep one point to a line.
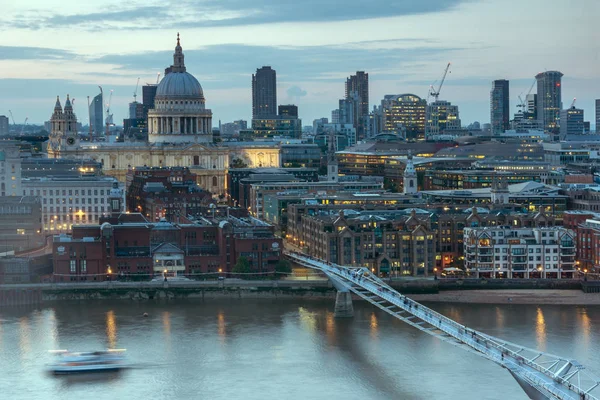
230 65
295 91
208 13
34 53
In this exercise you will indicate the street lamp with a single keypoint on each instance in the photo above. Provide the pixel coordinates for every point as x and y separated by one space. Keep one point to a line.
108 272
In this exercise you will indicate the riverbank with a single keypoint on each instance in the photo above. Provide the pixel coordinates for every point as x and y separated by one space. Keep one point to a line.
518 296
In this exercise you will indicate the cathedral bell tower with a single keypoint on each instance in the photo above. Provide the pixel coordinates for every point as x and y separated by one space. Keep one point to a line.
56 129
332 163
63 129
71 139
410 176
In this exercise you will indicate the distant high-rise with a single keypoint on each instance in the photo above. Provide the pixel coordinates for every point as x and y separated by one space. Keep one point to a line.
264 93
571 122
3 125
148 95
404 112
97 116
287 111
441 117
499 106
598 115
357 90
531 104
549 102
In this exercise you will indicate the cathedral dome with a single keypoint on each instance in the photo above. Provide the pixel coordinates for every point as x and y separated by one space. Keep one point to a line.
179 85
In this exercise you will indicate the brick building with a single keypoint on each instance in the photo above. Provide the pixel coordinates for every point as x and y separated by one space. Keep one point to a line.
165 193
396 243
129 245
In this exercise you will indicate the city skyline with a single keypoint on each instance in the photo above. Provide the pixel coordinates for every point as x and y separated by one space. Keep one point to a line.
313 50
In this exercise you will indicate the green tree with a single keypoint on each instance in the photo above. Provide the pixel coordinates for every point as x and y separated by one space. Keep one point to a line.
284 267
238 163
242 266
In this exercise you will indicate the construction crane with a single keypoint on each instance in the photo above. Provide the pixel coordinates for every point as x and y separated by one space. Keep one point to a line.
109 116
13 120
573 103
436 93
522 103
136 90
23 126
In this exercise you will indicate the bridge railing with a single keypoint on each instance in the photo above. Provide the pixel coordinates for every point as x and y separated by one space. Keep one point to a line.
508 354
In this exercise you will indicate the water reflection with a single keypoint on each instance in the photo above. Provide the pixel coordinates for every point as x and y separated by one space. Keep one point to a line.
53 327
24 336
374 326
499 318
330 327
111 329
90 379
540 329
586 325
221 326
307 319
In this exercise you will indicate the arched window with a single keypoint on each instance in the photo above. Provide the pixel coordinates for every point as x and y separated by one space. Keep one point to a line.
215 181
411 183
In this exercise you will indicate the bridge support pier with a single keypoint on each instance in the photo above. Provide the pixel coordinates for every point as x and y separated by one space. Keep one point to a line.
343 305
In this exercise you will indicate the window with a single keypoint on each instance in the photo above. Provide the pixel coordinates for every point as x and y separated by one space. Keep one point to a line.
83 266
73 264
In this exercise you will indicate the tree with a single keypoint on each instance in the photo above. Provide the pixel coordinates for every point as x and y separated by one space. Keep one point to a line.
284 267
242 266
238 163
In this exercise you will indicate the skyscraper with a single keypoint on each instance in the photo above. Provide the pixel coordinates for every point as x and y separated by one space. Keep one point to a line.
264 93
406 111
598 115
441 117
287 111
549 102
97 116
499 106
571 122
148 95
357 90
3 125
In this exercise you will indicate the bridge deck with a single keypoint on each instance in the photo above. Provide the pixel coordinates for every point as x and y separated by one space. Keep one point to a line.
541 375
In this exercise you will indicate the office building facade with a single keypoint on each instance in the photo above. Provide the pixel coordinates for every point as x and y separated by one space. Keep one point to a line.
571 122
10 170
441 117
598 115
264 93
69 201
549 100
405 111
148 95
3 125
357 90
97 116
499 106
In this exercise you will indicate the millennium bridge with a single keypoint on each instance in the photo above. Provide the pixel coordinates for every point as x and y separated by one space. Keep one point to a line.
541 375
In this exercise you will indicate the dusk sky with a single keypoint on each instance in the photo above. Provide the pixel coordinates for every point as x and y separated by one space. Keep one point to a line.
55 47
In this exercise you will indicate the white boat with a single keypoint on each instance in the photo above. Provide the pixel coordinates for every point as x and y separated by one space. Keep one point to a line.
94 361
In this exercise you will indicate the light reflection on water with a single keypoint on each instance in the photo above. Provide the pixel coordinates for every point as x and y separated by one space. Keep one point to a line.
286 349
540 329
111 329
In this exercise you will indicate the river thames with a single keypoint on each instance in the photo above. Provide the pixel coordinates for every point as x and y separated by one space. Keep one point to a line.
277 349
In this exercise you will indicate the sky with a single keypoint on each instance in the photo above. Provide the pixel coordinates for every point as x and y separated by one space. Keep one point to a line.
60 47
